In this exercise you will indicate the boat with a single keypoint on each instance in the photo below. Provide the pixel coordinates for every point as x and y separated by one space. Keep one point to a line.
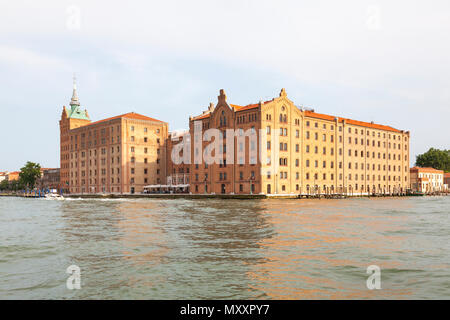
54 196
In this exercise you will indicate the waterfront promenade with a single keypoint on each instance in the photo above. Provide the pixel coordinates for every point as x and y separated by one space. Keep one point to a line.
222 196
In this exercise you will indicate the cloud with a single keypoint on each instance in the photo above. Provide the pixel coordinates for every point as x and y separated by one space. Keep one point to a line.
380 60
15 56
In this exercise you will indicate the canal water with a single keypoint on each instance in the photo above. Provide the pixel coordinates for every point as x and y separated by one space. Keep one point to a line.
225 249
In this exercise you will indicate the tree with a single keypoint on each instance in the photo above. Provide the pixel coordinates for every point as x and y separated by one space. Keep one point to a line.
435 158
29 174
4 185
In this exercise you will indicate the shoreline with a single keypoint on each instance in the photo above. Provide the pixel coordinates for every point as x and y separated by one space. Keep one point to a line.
223 196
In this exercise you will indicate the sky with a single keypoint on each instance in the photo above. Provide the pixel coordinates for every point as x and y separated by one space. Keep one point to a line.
381 61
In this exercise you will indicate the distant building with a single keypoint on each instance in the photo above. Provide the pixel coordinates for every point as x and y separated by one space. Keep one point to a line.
3 176
13 176
121 154
50 179
447 180
177 173
426 180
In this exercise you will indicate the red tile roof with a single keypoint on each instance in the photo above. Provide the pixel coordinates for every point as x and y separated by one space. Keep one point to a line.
247 107
235 107
130 115
203 116
426 169
312 114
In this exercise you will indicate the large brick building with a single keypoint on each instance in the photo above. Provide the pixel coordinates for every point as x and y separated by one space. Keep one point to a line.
308 151
120 154
271 147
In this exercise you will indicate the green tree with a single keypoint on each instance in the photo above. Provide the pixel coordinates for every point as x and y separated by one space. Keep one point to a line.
29 174
435 158
4 185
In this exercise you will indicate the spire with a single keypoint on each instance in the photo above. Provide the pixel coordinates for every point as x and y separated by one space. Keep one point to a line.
74 101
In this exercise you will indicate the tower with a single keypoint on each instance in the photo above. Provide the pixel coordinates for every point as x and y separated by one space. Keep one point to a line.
70 118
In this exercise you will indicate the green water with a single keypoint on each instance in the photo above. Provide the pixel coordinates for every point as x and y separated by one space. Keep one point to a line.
225 249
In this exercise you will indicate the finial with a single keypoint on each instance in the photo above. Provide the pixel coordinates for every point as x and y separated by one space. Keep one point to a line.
222 96
74 101
283 93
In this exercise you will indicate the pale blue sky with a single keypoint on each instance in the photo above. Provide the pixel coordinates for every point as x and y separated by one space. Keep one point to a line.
367 60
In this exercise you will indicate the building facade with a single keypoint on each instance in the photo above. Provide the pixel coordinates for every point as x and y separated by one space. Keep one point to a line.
14 176
120 154
3 176
50 179
427 180
177 171
447 180
298 151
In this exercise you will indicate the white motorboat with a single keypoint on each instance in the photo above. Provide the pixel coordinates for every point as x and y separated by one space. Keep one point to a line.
54 196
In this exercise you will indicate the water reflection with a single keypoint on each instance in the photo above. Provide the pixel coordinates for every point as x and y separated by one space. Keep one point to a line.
215 249
322 249
194 242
